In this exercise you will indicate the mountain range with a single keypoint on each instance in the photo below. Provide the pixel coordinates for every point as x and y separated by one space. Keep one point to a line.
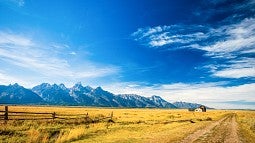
185 105
47 94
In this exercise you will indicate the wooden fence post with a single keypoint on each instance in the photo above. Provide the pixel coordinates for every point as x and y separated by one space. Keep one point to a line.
53 115
111 115
87 120
87 116
6 113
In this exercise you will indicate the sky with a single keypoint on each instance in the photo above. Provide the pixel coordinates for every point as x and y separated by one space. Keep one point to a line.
200 51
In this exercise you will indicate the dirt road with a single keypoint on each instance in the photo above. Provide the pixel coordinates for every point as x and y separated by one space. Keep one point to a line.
221 131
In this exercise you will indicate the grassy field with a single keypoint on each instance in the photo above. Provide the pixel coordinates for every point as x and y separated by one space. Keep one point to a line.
128 125
246 121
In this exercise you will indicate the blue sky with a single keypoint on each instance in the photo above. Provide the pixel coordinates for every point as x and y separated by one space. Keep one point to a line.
195 51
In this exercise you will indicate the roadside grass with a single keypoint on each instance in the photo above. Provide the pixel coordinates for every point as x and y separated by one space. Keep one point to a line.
246 121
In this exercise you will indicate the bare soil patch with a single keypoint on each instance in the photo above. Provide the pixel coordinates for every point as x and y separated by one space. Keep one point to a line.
224 130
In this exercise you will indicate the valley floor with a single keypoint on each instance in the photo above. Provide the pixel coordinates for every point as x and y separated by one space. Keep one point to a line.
128 126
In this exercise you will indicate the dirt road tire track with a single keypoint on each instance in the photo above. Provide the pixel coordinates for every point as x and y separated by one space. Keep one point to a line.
221 131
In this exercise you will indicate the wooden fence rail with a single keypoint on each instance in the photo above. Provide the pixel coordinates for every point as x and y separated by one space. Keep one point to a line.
25 112
37 116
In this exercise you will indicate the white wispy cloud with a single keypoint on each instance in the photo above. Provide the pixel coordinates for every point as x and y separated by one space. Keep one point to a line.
210 94
233 38
47 61
238 68
19 3
166 35
227 39
14 39
228 42
72 53
8 79
236 73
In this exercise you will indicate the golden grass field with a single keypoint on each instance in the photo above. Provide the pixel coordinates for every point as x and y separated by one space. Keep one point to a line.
129 126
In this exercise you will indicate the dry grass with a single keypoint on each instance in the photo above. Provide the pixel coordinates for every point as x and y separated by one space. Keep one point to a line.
71 134
130 125
246 120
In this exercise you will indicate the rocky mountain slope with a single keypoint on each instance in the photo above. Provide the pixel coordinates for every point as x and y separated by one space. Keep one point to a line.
77 95
81 95
15 94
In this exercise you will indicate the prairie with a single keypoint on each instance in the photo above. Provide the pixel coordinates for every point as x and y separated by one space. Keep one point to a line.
127 125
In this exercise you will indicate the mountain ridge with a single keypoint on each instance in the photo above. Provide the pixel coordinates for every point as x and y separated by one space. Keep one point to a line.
54 94
186 105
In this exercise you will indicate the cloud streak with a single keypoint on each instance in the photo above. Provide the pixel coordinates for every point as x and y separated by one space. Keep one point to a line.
238 68
168 35
46 61
233 43
216 41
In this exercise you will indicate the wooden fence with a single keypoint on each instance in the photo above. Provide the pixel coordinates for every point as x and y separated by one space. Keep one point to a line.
11 115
